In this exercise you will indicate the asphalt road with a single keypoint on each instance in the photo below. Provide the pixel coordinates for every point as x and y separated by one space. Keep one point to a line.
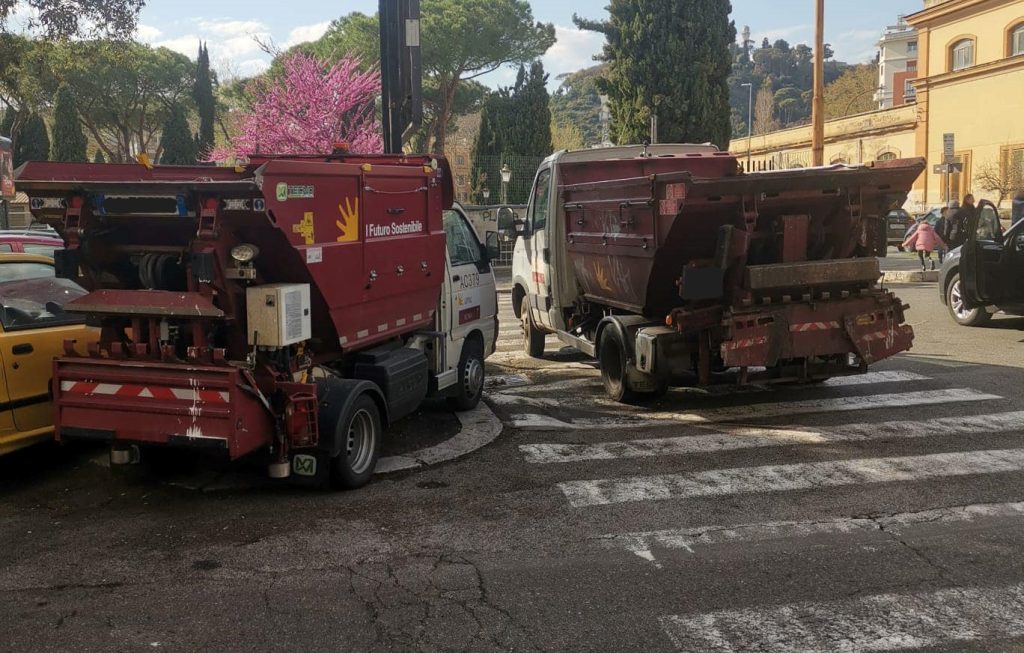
884 515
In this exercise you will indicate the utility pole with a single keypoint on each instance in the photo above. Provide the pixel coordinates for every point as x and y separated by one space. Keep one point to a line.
400 71
818 106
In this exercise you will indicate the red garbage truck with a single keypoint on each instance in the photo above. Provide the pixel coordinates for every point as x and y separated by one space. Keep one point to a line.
671 265
294 306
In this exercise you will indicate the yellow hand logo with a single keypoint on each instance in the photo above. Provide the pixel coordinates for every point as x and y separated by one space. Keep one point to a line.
349 223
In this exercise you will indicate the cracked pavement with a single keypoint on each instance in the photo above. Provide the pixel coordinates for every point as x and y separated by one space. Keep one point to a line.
486 554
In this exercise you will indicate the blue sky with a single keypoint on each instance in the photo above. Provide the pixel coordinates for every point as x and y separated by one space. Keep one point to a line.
852 27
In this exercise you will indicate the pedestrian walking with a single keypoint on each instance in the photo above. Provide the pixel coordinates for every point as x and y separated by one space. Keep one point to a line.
924 240
940 228
956 229
1017 212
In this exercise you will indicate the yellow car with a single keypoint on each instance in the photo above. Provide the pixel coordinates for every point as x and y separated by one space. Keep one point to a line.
33 328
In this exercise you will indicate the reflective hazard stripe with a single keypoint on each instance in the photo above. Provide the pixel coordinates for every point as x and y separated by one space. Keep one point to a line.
814 326
131 391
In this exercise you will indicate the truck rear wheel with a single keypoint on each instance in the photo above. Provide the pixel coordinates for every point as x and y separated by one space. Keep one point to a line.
611 354
359 432
533 338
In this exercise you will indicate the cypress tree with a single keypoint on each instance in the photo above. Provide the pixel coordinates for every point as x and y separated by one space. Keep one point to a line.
202 92
33 141
99 158
7 124
670 59
69 143
487 151
533 114
177 145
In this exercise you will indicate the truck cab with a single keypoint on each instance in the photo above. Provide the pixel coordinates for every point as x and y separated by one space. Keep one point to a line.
992 263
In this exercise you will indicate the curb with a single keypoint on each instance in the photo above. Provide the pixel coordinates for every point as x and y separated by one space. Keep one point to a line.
910 276
480 427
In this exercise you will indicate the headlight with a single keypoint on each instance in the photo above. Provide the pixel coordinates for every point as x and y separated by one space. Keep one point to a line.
245 253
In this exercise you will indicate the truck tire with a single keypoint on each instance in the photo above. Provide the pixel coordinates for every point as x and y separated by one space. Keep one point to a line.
962 315
471 377
611 354
533 338
359 431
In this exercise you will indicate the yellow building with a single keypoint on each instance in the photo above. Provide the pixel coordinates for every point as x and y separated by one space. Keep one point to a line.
970 84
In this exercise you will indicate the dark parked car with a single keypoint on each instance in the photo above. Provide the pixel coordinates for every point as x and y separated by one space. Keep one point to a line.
896 224
986 274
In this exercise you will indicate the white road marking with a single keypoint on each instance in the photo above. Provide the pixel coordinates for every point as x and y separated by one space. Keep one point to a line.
874 377
883 622
798 476
827 405
644 543
590 382
517 401
752 437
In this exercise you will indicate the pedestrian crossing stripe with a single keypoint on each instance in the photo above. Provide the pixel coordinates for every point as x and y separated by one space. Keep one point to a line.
729 439
744 412
644 544
875 623
798 476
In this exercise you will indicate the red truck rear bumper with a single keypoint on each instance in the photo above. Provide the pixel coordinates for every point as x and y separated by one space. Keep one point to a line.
124 402
870 326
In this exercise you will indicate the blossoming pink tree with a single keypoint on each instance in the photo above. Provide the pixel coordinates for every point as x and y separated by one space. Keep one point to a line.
308 109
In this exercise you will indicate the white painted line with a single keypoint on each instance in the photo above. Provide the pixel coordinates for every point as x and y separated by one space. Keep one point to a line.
752 437
517 401
874 377
643 544
828 405
882 622
588 382
480 427
799 476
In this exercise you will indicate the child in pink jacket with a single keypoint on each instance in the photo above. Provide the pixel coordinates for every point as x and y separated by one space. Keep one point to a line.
925 239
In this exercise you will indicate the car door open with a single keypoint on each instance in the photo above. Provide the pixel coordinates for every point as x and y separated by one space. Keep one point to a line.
982 258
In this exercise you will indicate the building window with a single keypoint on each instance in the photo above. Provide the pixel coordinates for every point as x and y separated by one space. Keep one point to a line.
887 156
909 93
461 180
460 160
962 54
1011 165
1017 40
912 66
912 48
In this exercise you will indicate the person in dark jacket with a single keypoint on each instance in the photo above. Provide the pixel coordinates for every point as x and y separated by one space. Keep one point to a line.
1018 207
956 227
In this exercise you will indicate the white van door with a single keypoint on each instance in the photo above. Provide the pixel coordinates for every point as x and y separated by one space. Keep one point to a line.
473 301
537 248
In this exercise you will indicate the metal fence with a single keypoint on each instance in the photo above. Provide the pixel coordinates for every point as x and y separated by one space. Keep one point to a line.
521 171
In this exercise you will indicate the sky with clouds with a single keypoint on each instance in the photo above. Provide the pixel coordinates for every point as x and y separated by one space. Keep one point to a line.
232 27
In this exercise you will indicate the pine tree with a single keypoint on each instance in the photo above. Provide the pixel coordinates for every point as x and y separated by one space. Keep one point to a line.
69 143
202 92
32 142
99 158
670 59
177 145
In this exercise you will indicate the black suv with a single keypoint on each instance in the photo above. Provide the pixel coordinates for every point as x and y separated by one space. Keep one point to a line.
986 274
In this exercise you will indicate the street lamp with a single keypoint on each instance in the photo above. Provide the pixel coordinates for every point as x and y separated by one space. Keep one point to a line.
486 194
750 119
506 176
